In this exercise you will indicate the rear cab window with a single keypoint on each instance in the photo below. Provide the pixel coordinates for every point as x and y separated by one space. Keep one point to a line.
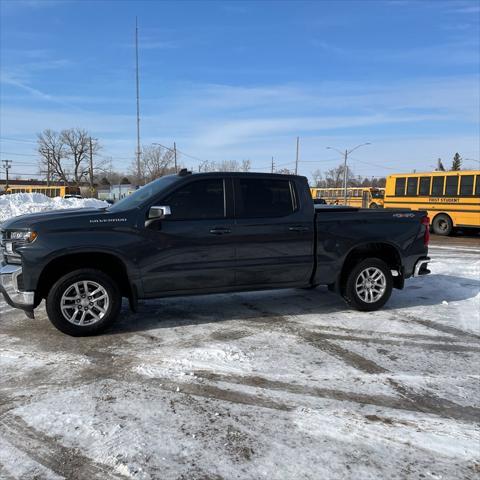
264 198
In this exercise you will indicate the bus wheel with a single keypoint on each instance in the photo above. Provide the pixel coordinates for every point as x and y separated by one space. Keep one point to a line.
442 225
373 205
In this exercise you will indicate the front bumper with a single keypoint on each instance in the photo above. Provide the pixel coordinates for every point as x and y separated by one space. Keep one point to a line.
9 287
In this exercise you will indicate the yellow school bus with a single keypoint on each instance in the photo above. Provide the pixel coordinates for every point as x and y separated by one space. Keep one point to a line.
362 197
56 191
452 199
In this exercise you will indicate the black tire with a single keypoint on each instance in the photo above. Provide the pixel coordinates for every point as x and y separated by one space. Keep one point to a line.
442 225
351 294
113 302
373 205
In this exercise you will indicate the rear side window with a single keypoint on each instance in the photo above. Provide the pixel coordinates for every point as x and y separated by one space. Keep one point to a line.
425 186
437 186
477 186
466 185
400 186
451 188
412 185
260 198
202 199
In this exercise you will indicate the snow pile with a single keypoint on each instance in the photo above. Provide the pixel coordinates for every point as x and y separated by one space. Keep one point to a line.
23 203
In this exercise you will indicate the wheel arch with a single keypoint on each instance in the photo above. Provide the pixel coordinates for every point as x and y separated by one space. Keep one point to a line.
385 251
106 262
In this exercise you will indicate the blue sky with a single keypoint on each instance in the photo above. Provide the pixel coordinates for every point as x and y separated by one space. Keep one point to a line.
240 80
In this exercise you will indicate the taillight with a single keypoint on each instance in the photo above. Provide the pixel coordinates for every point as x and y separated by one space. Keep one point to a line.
426 235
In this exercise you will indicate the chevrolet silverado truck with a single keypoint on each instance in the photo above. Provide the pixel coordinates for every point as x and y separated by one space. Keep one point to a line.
188 234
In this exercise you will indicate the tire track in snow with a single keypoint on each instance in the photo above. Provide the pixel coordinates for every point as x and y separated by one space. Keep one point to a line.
439 327
64 461
407 400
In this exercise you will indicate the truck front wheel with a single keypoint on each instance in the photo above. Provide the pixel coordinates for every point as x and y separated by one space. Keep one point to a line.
83 302
368 285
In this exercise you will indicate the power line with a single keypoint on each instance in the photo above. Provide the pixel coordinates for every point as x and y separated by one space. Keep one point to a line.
374 164
18 140
20 154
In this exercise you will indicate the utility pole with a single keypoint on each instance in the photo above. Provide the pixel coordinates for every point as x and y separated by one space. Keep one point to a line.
296 159
48 168
6 165
175 156
138 99
345 155
91 167
273 165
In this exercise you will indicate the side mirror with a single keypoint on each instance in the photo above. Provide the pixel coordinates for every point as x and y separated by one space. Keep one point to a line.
157 213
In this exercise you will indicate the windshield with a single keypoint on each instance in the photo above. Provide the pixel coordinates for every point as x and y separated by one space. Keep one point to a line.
378 193
141 195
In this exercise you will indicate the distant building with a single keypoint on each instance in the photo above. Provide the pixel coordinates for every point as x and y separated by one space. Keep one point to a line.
115 192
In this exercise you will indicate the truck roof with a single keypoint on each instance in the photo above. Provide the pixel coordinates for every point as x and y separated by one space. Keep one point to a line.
184 173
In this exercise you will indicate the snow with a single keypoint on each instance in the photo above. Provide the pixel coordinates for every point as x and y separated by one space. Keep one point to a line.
24 203
280 384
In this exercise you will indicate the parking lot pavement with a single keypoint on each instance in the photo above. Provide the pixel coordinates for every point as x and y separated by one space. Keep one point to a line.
282 384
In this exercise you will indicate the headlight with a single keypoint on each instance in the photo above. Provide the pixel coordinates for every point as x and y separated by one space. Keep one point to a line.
23 236
11 241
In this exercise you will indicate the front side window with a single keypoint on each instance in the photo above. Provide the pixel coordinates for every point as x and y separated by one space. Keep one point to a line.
451 187
466 185
262 198
412 185
437 186
477 186
199 200
400 186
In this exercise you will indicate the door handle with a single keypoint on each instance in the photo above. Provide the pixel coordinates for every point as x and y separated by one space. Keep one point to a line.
220 230
298 228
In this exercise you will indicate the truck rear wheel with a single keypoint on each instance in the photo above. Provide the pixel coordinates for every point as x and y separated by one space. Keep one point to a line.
369 285
442 225
83 302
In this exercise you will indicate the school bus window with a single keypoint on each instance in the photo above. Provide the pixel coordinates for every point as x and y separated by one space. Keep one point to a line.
477 186
451 188
466 185
412 185
437 186
400 186
425 186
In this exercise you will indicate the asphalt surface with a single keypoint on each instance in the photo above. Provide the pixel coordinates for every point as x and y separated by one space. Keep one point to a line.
281 384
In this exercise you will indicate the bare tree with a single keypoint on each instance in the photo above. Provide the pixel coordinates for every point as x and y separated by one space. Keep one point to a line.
246 165
225 166
65 155
53 154
334 177
285 171
155 162
317 177
78 142
207 166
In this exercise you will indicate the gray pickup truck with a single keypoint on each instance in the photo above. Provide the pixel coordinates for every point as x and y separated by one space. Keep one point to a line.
190 234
